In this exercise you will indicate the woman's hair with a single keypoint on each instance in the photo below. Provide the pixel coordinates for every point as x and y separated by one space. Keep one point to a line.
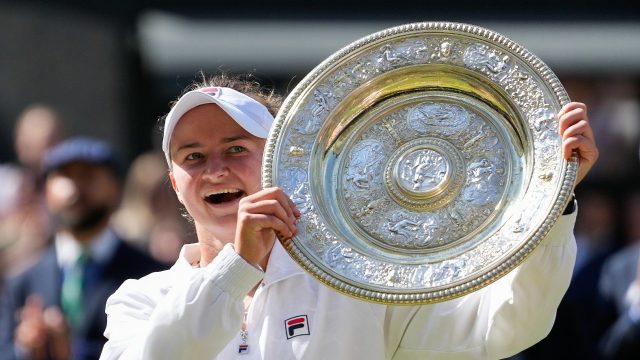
245 84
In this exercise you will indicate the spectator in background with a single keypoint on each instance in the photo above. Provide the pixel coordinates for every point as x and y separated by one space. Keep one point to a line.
620 290
37 129
55 309
24 223
149 214
135 217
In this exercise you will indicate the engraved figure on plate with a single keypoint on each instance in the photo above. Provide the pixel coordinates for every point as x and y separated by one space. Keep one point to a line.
363 70
308 124
430 229
421 274
423 170
546 127
481 187
364 213
334 257
412 52
365 162
445 50
446 118
294 182
487 60
410 231
402 226
323 102
449 270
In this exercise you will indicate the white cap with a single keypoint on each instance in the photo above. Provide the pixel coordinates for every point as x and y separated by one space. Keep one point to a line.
247 112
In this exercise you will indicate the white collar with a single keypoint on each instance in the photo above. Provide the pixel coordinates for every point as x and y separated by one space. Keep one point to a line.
189 254
101 247
280 266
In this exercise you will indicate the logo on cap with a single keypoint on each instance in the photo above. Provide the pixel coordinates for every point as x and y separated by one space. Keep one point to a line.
297 326
213 91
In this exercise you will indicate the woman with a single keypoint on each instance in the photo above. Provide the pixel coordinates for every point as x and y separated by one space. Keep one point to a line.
237 292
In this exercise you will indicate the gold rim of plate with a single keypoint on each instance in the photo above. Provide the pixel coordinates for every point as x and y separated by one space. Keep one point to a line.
425 160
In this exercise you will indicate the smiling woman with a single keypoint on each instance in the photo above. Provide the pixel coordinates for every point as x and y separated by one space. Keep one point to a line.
214 138
213 162
238 292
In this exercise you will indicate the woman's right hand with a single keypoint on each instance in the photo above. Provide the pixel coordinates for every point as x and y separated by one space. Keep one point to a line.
260 216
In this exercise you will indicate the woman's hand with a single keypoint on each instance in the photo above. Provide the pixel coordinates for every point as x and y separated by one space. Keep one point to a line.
259 216
577 136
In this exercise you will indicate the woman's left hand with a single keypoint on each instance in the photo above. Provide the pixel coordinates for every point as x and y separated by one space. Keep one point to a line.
577 137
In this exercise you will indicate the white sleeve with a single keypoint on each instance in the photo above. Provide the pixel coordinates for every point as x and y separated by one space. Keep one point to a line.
192 318
501 319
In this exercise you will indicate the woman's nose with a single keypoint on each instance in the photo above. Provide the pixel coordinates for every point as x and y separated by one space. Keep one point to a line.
216 168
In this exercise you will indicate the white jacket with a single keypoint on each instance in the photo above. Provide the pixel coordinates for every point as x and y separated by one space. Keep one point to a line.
194 313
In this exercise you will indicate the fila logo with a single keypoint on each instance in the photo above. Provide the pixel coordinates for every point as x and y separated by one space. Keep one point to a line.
296 326
213 91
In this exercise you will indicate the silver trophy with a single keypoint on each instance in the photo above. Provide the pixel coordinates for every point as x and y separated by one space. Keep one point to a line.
425 160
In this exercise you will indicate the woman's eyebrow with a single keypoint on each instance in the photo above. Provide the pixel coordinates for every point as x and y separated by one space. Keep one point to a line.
223 141
234 138
189 146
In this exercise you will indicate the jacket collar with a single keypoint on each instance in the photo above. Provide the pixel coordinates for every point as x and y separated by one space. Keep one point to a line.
281 265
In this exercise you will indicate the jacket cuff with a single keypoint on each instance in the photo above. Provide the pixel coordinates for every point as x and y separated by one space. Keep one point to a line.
571 206
232 274
561 231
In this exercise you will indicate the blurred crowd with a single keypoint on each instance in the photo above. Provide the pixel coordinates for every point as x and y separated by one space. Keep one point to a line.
599 316
148 215
75 223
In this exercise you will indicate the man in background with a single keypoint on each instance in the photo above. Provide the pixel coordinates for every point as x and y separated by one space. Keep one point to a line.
55 309
24 222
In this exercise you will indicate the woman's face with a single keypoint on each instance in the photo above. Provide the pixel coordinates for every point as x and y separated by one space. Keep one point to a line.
215 163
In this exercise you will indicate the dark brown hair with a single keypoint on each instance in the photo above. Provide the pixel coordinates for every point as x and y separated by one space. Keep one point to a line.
246 84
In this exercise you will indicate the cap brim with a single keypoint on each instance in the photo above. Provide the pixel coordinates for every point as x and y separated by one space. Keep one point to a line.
194 99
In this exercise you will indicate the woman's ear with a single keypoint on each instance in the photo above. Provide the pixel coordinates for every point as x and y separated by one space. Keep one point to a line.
175 187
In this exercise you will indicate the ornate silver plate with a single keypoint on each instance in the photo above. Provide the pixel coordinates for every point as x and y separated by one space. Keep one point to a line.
425 160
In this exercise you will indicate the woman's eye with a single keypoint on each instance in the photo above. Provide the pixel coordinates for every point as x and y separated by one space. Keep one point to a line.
236 149
194 156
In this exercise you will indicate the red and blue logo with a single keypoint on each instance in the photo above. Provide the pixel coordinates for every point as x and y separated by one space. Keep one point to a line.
213 91
297 326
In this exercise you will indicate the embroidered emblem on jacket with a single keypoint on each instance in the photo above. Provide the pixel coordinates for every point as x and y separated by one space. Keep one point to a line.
297 326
